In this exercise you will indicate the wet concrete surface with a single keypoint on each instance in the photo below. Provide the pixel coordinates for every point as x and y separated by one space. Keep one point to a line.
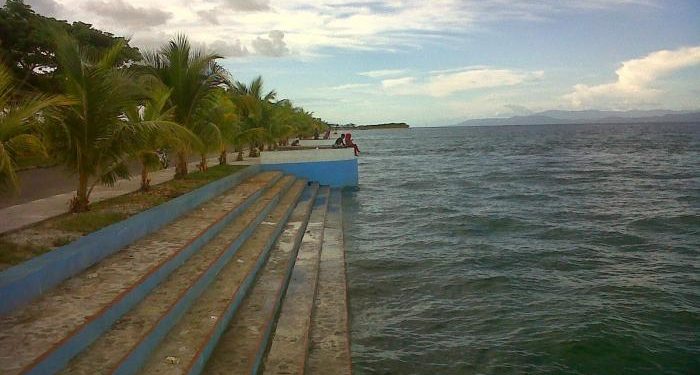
287 355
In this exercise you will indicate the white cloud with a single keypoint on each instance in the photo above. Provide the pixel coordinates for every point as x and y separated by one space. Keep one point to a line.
635 79
248 5
382 73
209 16
128 15
402 83
46 7
229 49
458 80
351 86
311 25
274 46
447 84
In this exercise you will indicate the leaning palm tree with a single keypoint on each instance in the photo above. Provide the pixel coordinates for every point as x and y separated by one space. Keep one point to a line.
193 76
19 117
92 136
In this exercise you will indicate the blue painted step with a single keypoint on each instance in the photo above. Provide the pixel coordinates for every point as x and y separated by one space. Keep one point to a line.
25 282
55 357
190 343
127 345
242 347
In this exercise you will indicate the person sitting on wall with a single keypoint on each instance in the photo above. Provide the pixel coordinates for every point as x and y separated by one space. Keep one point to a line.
295 143
340 142
350 143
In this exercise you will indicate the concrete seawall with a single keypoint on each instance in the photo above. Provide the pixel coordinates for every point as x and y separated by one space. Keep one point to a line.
335 167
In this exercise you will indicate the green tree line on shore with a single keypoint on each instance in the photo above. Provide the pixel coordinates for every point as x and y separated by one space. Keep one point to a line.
89 101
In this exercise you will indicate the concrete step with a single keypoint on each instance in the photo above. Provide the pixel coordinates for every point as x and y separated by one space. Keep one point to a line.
41 337
329 349
127 345
289 347
242 347
189 344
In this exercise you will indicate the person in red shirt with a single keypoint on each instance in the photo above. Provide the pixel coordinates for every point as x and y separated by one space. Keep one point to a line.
350 143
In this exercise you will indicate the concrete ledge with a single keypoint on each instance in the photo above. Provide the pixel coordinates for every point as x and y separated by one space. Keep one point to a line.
307 155
27 281
317 142
332 167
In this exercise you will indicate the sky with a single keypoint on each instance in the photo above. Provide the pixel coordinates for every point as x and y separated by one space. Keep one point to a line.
431 62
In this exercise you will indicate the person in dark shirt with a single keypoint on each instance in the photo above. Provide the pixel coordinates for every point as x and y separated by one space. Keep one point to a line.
340 141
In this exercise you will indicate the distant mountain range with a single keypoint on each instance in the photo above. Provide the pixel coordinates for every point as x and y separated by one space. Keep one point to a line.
390 125
589 117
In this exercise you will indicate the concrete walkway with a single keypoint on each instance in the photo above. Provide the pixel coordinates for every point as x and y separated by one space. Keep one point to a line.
21 215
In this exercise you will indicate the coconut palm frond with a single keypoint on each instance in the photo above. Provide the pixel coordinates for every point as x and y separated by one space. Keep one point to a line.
150 160
8 176
116 171
19 120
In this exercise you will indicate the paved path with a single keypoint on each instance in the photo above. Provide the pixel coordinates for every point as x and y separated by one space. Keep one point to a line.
21 215
33 185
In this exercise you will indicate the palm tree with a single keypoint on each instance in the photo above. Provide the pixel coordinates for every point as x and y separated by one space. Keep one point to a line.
92 136
224 117
19 117
193 76
211 139
282 123
254 89
252 119
153 112
255 107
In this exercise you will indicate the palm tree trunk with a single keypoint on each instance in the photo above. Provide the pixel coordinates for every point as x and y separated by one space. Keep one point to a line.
253 150
181 167
80 201
202 162
222 157
145 181
240 155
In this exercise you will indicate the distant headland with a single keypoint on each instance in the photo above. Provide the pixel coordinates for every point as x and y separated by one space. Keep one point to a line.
390 125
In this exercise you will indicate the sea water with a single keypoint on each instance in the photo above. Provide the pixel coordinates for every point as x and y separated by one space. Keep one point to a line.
570 249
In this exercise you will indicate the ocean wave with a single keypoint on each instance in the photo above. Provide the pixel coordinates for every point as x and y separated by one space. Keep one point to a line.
544 250
680 224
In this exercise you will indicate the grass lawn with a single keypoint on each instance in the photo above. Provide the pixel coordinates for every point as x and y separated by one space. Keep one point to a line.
19 246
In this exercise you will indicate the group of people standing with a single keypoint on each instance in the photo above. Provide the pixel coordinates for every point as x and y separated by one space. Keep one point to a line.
345 140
